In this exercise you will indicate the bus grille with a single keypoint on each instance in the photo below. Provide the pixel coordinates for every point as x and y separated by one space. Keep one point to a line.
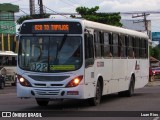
46 92
44 85
48 78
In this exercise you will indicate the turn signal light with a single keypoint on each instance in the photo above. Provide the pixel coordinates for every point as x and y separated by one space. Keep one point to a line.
75 82
23 81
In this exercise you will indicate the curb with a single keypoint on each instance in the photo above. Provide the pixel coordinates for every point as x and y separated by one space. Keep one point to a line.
154 83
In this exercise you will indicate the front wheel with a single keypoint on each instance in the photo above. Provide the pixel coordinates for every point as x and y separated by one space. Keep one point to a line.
42 102
97 99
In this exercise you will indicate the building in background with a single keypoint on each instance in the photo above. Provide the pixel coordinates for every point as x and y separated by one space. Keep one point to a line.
8 27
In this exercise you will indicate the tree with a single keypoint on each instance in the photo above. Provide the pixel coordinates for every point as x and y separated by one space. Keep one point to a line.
155 52
23 18
86 11
106 18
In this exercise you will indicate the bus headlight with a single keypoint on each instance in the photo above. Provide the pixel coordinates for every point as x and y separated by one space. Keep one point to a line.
75 82
23 81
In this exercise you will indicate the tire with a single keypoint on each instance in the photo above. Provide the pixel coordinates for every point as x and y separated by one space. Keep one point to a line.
2 85
97 99
14 84
42 102
130 91
121 94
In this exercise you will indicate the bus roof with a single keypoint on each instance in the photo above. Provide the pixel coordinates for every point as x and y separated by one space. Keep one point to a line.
95 25
114 29
7 53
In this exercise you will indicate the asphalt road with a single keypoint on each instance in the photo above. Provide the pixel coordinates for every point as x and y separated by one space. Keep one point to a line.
145 99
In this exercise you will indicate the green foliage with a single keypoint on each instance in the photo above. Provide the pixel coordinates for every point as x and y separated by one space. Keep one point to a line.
106 18
86 11
155 52
23 18
28 17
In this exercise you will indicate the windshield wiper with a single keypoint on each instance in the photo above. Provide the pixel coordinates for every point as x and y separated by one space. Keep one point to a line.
59 47
62 43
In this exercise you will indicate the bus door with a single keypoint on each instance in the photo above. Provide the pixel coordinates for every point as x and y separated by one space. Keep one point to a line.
89 63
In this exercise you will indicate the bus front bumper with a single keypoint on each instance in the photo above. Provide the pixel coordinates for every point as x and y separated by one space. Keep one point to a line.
50 93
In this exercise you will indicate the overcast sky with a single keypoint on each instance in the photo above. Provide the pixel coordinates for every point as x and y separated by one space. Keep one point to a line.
105 6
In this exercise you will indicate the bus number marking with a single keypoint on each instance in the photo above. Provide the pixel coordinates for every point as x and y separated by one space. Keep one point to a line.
39 66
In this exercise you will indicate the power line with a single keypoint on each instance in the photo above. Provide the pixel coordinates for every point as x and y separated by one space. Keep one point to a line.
139 12
23 11
15 1
72 1
55 12
76 2
144 15
68 3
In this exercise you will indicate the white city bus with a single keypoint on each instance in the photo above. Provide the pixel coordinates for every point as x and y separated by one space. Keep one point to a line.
79 59
8 64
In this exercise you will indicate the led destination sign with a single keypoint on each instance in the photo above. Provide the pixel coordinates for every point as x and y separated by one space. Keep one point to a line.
45 27
51 27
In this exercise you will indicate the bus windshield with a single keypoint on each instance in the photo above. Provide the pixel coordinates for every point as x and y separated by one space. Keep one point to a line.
50 54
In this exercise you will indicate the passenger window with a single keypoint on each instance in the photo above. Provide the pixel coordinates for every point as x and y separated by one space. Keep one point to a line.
115 45
89 52
107 46
122 46
97 40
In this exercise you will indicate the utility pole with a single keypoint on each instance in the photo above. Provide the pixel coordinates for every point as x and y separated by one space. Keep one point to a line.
144 15
32 7
40 3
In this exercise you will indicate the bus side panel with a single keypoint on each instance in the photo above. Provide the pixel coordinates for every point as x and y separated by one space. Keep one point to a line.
119 74
144 70
89 85
131 70
137 71
103 68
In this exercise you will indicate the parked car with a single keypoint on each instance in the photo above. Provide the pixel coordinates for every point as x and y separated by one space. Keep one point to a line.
2 82
154 71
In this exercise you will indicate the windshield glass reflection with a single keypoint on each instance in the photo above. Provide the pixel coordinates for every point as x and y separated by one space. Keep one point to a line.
50 54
